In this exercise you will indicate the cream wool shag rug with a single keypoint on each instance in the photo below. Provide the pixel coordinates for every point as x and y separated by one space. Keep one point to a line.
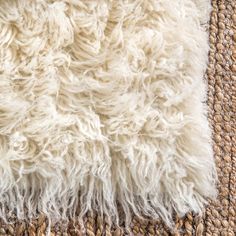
102 104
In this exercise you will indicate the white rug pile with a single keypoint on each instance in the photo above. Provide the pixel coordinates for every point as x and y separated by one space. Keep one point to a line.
102 103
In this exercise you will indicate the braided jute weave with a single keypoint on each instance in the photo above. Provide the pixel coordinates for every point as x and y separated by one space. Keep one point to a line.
219 218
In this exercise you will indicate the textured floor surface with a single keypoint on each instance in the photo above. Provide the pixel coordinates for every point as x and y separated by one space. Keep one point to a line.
220 216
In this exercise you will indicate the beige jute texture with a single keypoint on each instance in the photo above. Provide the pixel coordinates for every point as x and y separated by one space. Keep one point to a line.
220 215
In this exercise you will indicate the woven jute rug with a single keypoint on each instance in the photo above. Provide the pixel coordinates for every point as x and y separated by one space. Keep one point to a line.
219 217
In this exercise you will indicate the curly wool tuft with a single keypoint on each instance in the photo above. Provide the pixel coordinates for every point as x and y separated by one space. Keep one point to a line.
102 103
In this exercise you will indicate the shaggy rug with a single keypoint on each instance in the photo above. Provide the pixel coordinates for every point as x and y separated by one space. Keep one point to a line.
103 107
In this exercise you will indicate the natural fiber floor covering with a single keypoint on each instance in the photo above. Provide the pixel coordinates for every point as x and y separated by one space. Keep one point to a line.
219 218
